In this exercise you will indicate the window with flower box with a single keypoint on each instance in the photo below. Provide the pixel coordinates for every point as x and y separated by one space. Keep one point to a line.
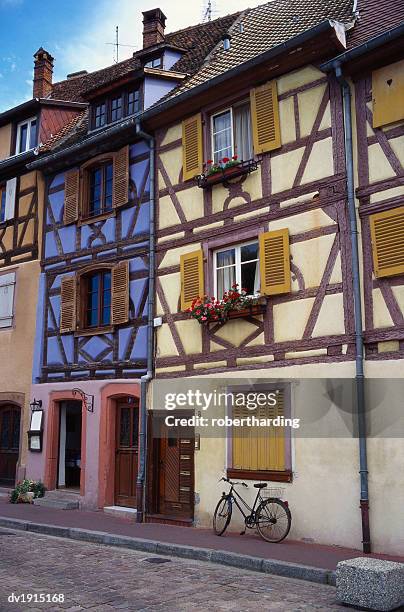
236 137
237 265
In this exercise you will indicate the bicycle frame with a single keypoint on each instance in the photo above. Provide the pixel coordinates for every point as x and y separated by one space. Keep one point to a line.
233 495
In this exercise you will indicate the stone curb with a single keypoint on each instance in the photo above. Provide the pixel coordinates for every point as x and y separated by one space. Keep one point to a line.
223 557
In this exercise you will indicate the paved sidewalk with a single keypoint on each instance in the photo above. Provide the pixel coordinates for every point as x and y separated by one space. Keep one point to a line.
289 551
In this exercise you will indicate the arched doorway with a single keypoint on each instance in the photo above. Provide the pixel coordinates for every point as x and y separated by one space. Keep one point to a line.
10 418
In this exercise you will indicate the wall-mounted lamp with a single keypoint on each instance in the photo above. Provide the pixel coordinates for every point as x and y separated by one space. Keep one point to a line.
35 405
88 400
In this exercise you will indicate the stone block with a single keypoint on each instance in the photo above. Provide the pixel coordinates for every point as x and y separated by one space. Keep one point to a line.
370 583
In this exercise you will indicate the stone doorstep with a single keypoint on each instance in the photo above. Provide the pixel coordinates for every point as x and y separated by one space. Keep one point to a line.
122 512
223 557
374 584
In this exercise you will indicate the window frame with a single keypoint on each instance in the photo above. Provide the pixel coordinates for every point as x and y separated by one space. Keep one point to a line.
237 262
244 100
85 179
285 475
3 202
12 284
150 62
19 125
123 94
212 135
82 328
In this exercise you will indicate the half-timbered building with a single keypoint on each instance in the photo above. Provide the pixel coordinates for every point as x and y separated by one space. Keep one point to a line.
253 189
91 338
22 129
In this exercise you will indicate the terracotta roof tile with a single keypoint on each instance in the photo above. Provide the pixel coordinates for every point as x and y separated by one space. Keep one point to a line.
197 40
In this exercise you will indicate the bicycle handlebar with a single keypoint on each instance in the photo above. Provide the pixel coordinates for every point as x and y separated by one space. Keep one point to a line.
234 483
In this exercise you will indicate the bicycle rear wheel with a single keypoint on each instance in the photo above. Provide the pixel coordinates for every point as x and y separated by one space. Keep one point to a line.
222 516
273 520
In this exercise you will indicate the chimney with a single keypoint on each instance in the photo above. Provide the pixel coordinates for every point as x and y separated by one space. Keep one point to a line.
154 22
43 69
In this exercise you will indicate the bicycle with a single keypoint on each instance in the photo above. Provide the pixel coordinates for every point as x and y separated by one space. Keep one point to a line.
271 516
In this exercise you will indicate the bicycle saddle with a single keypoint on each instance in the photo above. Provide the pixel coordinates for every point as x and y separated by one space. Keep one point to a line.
260 485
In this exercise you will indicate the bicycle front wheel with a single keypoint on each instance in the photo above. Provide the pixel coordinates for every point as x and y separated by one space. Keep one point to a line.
222 516
273 520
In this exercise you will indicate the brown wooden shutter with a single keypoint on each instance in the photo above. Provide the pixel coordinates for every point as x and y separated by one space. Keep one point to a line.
120 293
192 147
72 196
265 118
275 262
121 177
191 278
68 304
387 230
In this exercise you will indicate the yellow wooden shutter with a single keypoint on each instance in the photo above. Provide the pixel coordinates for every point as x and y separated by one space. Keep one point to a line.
274 262
121 177
265 118
120 293
258 448
388 94
387 230
192 146
191 278
68 304
72 196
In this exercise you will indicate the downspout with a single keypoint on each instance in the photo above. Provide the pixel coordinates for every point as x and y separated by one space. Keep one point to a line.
144 380
359 377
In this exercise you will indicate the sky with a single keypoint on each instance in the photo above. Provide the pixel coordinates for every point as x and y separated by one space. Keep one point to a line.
75 32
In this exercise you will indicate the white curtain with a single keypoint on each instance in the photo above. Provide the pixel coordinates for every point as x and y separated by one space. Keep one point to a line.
243 139
225 276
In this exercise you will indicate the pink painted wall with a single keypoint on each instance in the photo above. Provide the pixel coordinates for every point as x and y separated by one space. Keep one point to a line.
36 461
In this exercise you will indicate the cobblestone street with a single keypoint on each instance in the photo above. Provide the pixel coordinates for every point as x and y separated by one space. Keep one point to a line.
102 578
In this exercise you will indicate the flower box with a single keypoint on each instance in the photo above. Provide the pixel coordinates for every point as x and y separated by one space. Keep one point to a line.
225 174
255 309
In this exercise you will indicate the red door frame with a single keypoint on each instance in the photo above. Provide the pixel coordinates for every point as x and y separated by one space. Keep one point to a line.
107 441
52 439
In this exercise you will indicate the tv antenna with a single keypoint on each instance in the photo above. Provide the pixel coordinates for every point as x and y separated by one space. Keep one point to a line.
208 12
117 44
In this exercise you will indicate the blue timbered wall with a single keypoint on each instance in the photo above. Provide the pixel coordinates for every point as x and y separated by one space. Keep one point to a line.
70 248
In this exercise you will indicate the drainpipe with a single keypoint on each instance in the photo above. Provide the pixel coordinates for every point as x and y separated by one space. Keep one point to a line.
359 377
144 380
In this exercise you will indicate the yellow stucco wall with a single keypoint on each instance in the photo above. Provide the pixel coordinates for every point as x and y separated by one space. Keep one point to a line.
5 141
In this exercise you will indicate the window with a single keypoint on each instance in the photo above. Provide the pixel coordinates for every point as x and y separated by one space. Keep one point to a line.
26 135
154 63
238 264
3 194
116 108
100 189
7 285
231 133
97 299
133 102
100 115
262 452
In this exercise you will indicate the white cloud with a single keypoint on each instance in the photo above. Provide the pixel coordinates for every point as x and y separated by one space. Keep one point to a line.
87 49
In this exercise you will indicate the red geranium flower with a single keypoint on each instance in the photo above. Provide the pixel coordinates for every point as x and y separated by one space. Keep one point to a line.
225 160
235 157
210 161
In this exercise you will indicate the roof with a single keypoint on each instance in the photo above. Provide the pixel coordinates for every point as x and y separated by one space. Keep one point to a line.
197 41
262 28
253 32
373 18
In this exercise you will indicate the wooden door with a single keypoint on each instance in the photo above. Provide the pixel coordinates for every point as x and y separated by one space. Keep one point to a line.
176 473
9 443
126 454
